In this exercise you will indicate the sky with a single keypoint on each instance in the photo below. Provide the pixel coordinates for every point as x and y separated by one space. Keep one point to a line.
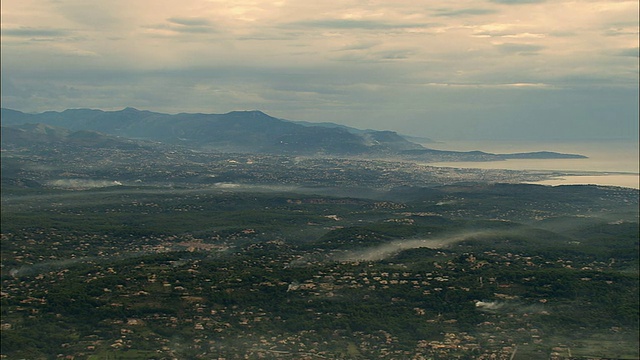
468 69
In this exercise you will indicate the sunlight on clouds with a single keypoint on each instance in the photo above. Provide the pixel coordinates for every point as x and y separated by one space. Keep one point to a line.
526 36
490 86
67 49
286 55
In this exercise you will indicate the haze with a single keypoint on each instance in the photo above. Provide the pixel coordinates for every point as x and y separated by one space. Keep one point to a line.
501 69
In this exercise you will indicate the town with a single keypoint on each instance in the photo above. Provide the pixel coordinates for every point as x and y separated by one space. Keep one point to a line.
172 254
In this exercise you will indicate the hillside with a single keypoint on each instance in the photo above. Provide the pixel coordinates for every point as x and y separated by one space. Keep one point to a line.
238 131
29 135
250 132
162 252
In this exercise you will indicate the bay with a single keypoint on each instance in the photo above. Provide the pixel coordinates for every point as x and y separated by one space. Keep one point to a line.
611 163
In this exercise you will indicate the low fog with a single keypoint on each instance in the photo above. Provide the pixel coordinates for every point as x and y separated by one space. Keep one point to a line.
514 307
82 183
387 250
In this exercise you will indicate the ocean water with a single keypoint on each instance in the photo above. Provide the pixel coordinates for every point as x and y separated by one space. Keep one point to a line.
614 163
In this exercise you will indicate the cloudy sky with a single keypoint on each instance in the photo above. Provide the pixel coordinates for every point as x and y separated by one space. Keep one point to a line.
474 69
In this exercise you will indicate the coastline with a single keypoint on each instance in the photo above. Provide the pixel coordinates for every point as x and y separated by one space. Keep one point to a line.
608 163
604 179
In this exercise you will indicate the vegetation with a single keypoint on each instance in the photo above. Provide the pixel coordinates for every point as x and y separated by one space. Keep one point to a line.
238 256
136 273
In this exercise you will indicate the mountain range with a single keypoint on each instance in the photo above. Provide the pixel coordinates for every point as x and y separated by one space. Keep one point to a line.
237 131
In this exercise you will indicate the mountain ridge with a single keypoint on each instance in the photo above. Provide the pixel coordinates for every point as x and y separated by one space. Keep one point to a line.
238 131
252 131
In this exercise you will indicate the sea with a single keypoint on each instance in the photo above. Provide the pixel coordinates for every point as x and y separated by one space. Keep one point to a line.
608 162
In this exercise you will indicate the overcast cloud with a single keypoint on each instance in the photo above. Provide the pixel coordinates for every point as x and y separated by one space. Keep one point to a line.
502 69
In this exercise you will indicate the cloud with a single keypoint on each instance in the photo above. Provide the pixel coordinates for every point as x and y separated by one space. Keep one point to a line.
452 69
34 32
192 25
97 15
193 29
517 2
176 25
633 52
360 46
356 96
193 21
491 86
465 12
511 34
373 57
621 29
9 89
70 50
519 49
394 54
355 24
